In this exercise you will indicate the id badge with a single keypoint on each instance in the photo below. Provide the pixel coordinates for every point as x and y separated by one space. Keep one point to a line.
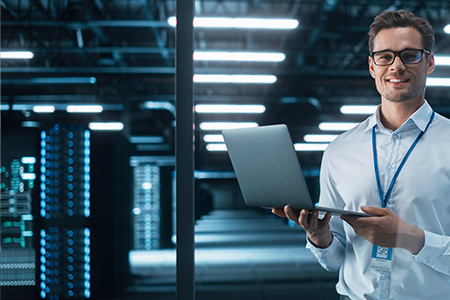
381 259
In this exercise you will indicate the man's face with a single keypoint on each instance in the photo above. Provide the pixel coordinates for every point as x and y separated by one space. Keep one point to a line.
400 82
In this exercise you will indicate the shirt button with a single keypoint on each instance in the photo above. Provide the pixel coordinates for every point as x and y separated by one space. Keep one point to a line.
425 260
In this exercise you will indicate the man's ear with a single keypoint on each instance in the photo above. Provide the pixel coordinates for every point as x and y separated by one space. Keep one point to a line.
371 69
430 63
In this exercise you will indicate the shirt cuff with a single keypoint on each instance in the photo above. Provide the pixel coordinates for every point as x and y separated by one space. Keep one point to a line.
323 254
433 248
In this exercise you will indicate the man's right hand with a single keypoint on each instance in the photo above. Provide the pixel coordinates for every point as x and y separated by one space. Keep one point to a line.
317 230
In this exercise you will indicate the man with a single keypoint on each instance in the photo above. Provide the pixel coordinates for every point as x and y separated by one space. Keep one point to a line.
395 165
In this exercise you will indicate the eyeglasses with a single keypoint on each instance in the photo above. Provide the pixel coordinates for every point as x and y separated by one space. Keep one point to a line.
407 56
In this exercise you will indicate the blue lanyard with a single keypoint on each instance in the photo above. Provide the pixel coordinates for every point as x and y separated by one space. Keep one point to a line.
384 199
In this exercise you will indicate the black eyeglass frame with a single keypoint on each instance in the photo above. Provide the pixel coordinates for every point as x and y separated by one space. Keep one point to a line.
398 53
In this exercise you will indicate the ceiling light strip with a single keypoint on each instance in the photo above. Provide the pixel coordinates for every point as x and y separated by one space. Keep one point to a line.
319 138
234 78
84 108
43 108
16 55
239 56
241 23
358 109
230 108
336 126
438 81
226 125
442 60
213 138
310 146
108 126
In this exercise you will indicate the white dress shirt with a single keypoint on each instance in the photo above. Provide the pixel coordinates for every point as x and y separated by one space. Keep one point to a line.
420 196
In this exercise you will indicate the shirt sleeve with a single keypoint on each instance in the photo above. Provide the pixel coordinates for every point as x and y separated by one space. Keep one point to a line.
330 258
436 252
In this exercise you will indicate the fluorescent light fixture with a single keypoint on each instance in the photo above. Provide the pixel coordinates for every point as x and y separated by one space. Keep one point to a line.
16 55
320 138
4 106
447 29
84 108
30 124
239 56
438 81
50 80
28 160
234 78
230 108
226 125
242 23
112 126
43 108
442 60
28 176
336 126
213 138
216 147
358 109
310 147
146 139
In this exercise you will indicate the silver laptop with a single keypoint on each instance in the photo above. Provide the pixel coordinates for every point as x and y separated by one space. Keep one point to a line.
268 170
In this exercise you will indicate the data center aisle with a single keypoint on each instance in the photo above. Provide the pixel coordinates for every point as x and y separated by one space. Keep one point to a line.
239 255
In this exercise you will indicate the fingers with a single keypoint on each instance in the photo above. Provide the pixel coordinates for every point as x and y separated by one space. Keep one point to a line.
292 214
279 212
375 210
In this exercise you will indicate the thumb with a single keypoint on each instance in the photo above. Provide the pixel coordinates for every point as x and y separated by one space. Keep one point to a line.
379 211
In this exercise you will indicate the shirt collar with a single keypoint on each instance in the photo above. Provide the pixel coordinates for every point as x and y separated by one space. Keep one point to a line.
420 117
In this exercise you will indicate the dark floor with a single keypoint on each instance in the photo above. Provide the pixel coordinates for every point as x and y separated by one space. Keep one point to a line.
239 255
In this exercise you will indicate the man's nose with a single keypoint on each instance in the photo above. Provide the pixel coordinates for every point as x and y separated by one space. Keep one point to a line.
398 64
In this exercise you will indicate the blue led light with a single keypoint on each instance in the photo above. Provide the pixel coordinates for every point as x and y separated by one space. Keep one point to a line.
43 294
70 212
70 134
87 212
87 241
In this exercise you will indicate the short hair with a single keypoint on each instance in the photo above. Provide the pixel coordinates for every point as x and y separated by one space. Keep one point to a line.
400 18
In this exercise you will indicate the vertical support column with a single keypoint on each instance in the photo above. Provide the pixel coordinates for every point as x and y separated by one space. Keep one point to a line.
184 150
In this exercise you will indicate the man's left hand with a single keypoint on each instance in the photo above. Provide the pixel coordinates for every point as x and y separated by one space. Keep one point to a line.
387 229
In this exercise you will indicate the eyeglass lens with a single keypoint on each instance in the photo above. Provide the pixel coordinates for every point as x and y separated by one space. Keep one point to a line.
407 56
